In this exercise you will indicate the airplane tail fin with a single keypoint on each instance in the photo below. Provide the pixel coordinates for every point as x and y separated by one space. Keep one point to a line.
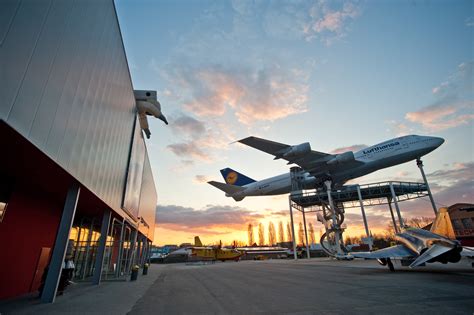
235 178
442 224
197 241
228 189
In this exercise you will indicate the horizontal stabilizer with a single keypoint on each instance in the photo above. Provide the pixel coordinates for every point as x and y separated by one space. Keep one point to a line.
398 251
433 252
229 189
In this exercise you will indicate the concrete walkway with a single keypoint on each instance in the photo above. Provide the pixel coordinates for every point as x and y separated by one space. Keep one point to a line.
111 297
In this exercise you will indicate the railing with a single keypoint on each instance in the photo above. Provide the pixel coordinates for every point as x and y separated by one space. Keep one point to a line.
372 194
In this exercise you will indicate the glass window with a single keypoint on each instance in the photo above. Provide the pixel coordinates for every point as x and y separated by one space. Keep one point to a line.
131 198
457 224
467 222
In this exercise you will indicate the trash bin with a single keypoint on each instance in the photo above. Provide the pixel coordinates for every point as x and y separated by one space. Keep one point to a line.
134 273
145 269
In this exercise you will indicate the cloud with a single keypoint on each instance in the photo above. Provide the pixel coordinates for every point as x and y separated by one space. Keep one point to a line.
212 216
469 21
309 20
453 106
198 140
201 179
187 126
353 148
267 94
330 22
460 80
188 149
443 115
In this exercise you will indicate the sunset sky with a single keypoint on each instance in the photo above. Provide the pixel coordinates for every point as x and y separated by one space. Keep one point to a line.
333 73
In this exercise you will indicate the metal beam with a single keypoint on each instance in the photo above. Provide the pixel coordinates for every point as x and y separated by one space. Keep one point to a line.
364 217
391 213
306 234
59 251
99 257
295 256
395 201
419 163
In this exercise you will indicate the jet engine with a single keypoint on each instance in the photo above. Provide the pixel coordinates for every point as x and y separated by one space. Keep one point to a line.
297 150
342 158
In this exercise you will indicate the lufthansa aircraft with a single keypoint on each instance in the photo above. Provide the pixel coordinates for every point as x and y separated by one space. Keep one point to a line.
319 167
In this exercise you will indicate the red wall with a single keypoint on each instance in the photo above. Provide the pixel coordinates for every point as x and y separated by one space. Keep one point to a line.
30 223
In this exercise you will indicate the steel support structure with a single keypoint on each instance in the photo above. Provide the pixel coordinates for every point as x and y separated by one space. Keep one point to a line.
99 257
295 255
395 227
419 163
364 217
306 235
335 226
60 245
397 208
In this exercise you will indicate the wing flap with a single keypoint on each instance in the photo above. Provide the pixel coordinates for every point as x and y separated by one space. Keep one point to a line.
398 251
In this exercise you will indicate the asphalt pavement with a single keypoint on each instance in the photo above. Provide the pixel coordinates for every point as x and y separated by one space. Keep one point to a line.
315 286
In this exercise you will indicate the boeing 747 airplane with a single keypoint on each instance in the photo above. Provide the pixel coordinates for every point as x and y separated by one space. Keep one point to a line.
318 167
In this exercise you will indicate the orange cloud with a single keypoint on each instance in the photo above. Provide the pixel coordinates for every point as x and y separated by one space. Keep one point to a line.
442 116
264 95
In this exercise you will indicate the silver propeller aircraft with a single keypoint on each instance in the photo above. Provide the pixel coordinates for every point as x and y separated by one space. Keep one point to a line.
318 167
421 246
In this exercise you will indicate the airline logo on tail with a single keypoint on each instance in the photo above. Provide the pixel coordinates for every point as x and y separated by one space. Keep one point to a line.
232 177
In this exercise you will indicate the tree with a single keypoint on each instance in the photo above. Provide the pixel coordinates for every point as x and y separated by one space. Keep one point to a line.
250 234
419 222
301 233
271 234
281 233
288 232
312 238
261 235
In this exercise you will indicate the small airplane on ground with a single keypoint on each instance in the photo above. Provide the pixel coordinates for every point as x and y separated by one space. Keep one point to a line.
421 246
318 167
213 252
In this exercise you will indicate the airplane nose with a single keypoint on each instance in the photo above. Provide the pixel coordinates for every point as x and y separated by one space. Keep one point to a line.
438 141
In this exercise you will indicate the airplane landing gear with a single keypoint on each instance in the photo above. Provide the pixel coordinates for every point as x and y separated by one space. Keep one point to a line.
334 218
390 264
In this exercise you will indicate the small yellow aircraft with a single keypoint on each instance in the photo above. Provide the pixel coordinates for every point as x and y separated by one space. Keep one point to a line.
213 252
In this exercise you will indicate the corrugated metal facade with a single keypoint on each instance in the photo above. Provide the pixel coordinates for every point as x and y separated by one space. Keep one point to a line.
65 86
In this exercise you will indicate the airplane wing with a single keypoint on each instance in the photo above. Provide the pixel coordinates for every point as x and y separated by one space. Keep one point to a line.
312 161
397 251
306 161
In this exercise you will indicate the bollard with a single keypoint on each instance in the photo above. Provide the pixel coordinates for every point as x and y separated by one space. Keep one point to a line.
134 275
145 269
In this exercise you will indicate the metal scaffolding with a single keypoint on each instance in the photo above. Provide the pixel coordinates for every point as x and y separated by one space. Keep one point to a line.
330 206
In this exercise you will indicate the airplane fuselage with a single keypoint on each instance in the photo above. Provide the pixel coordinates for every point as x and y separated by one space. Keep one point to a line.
386 154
